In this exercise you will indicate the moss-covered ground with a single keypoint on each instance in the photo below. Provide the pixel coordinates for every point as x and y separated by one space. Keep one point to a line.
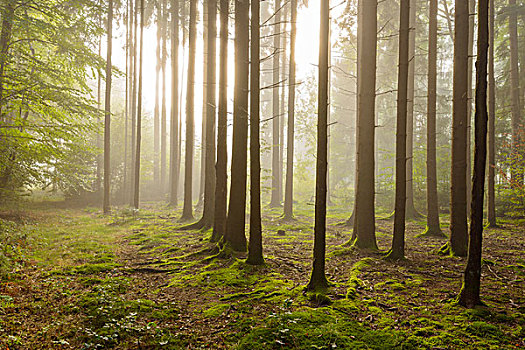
75 279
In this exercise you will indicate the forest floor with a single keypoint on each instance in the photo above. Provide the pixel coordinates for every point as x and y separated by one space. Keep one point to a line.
88 281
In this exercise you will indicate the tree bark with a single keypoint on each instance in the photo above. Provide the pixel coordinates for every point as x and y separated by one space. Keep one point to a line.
458 202
202 169
471 24
5 37
433 228
156 112
516 172
255 249
107 114
219 224
187 210
275 200
136 193
318 281
470 292
364 222
491 124
235 223
174 121
134 100
164 111
209 178
411 212
288 196
398 242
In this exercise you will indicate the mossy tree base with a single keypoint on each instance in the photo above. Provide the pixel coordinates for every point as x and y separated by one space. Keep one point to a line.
434 232
394 255
447 250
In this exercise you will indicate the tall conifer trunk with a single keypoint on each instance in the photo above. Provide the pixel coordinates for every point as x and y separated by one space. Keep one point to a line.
164 108
219 224
433 227
470 292
288 196
458 202
255 254
276 118
107 110
491 215
398 242
174 121
318 281
364 221
136 193
187 210
235 223
156 112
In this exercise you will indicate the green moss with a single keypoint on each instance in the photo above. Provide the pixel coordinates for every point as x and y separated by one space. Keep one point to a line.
483 330
216 310
315 329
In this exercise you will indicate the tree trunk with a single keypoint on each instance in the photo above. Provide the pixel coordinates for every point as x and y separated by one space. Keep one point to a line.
174 121
211 87
458 202
219 224
398 242
156 113
205 65
164 112
136 193
516 172
410 210
276 172
288 196
469 295
433 228
187 210
126 117
255 253
107 114
282 105
100 157
134 100
235 223
364 222
491 124
318 281
471 24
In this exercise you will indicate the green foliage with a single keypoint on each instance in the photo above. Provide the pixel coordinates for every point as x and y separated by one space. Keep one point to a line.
46 105
12 240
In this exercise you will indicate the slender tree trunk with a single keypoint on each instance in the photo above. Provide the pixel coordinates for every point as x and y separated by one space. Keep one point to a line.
219 225
458 202
126 118
471 24
235 223
187 210
211 112
470 292
492 123
255 253
364 222
411 212
156 113
516 172
134 101
318 281
282 104
206 55
174 121
433 227
100 157
164 107
276 172
107 110
398 242
288 196
136 192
